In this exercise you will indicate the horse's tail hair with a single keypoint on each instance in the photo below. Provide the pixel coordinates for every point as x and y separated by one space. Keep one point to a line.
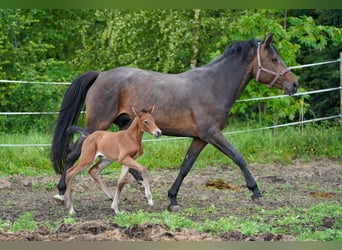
69 112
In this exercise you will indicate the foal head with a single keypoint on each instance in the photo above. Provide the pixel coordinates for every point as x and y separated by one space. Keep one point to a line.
146 121
270 69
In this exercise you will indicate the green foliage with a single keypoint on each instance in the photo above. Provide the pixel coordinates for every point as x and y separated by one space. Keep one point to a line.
281 145
305 224
26 161
56 45
24 222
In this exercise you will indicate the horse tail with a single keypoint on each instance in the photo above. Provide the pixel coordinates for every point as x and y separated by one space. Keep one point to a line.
69 112
75 129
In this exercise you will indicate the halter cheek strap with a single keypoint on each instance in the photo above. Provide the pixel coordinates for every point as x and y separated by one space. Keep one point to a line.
261 68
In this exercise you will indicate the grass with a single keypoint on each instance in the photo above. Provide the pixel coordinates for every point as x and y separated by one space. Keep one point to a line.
282 145
304 224
268 146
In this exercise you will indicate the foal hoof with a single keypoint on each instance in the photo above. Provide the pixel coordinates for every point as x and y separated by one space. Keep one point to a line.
173 208
59 199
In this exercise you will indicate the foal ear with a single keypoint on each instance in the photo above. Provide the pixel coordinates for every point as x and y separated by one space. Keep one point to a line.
134 111
150 110
268 40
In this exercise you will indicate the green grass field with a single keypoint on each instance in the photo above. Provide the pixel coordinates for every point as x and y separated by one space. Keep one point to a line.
281 145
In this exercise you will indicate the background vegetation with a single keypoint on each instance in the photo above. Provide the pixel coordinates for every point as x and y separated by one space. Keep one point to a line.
57 45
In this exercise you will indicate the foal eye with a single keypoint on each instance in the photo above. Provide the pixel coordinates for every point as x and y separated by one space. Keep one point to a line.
145 122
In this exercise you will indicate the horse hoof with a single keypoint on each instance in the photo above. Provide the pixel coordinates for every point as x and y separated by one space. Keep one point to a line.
173 208
59 199
259 200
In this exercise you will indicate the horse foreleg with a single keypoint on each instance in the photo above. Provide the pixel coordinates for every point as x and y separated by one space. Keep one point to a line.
95 171
132 164
219 141
120 184
137 176
194 150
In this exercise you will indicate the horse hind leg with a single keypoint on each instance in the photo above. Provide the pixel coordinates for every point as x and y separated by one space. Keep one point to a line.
95 171
219 141
74 152
85 161
194 150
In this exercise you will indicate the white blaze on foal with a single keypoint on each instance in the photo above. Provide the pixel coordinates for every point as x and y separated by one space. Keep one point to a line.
124 147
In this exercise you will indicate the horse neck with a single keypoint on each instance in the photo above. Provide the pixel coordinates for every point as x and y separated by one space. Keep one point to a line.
134 130
234 76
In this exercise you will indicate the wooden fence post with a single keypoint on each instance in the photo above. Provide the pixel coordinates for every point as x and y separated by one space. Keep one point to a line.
341 86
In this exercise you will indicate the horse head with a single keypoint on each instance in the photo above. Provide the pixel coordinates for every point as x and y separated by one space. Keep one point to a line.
270 69
146 121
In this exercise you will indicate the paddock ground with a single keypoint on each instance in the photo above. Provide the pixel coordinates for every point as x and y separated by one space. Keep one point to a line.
222 187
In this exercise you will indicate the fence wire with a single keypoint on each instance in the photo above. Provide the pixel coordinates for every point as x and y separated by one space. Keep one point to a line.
181 138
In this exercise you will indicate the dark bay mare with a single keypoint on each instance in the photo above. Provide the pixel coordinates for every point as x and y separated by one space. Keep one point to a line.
193 104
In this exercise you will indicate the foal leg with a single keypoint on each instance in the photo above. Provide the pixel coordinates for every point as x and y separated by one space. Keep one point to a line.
95 171
121 183
219 141
195 148
132 164
71 173
73 154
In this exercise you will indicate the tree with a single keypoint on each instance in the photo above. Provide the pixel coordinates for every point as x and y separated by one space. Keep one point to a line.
57 45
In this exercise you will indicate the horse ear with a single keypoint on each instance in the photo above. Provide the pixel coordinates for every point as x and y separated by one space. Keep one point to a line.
134 111
150 110
268 40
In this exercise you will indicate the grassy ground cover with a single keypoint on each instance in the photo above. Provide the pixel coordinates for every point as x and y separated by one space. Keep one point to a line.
281 145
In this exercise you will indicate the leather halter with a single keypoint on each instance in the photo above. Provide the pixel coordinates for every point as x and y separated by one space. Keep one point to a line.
261 68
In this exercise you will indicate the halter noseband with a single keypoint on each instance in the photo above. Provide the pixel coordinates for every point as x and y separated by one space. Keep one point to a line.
261 68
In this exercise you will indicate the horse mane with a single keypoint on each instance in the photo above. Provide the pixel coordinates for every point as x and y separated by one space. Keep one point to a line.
240 48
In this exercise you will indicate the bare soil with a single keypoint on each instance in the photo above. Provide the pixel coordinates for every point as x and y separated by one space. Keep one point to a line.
299 185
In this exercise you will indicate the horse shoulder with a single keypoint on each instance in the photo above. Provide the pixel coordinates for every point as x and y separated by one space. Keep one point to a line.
127 145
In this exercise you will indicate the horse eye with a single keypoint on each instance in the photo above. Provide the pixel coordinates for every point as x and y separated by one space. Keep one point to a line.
274 59
145 122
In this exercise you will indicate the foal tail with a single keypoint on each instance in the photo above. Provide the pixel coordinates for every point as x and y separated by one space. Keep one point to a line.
69 112
75 129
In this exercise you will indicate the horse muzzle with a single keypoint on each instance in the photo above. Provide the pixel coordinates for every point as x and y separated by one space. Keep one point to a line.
157 133
291 88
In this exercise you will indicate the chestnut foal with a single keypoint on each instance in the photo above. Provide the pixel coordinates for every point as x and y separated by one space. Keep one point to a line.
124 147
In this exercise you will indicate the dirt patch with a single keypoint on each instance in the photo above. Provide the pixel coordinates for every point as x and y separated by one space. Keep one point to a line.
223 187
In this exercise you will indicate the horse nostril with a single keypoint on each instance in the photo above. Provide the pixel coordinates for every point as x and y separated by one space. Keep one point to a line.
158 134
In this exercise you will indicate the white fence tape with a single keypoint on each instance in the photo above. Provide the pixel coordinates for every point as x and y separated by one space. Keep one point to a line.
243 100
180 138
31 82
68 83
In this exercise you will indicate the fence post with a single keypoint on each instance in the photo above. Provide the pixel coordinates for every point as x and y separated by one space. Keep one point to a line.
341 86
